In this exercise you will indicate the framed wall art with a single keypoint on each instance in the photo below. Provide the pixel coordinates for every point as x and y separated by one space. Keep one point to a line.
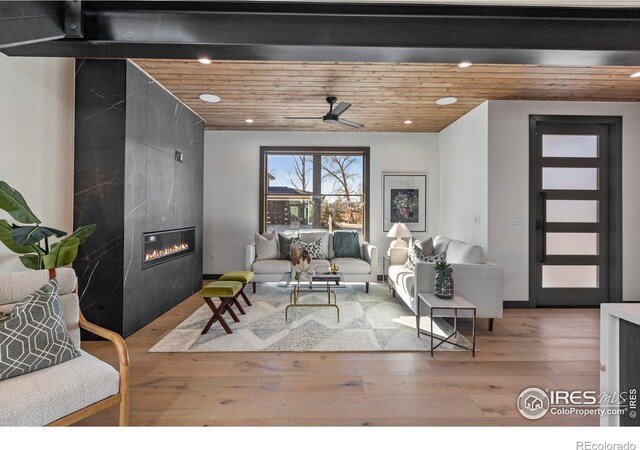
405 200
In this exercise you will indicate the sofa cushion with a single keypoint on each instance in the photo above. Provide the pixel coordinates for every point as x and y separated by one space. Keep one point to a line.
346 244
34 336
41 397
464 253
284 245
314 248
352 265
318 263
311 237
403 279
272 266
440 244
267 246
416 255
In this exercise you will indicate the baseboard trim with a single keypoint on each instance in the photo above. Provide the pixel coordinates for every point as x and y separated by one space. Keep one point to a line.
510 304
211 276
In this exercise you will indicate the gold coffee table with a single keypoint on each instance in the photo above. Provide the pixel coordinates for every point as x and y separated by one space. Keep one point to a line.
317 282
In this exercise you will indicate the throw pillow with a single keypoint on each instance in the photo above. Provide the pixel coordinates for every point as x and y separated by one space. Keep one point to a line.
34 335
285 243
346 244
267 246
426 246
416 255
314 248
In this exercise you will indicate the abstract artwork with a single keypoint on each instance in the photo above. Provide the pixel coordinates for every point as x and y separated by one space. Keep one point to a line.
405 200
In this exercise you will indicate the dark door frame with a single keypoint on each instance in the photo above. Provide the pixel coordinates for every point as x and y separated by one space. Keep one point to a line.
615 197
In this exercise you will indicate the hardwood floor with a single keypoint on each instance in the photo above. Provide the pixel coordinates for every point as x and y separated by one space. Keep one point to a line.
547 348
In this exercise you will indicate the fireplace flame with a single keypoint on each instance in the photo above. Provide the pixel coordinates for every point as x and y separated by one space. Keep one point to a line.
166 251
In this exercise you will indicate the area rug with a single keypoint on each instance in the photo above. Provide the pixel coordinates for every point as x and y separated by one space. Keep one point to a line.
368 322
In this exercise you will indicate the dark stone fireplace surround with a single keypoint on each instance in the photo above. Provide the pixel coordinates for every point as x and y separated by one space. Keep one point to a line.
127 181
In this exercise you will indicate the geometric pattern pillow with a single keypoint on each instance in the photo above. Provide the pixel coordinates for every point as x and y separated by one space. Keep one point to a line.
314 248
416 255
34 335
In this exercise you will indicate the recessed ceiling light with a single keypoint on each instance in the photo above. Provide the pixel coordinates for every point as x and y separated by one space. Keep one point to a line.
209 98
408 122
249 120
635 75
465 64
446 101
204 61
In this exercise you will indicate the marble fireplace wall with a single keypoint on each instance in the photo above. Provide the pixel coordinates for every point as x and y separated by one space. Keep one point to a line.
127 180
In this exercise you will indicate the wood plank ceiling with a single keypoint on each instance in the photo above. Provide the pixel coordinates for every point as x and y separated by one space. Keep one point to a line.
383 95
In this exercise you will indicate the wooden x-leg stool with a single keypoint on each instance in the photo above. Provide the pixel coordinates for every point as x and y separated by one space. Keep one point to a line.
242 276
227 292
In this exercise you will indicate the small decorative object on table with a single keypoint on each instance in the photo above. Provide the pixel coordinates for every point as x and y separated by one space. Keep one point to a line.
301 261
334 268
443 284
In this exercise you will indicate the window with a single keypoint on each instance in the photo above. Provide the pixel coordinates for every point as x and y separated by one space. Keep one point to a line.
314 188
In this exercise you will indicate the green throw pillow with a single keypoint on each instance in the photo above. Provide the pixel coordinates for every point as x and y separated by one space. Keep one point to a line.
346 244
34 335
285 245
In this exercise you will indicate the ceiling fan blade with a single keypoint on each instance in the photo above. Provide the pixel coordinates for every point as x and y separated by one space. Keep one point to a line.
305 118
349 123
342 107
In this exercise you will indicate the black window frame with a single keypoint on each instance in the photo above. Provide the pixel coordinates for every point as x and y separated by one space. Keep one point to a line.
265 151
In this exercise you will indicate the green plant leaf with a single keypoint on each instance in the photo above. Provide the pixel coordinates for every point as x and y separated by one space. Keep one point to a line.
7 239
14 203
31 261
63 254
84 232
29 235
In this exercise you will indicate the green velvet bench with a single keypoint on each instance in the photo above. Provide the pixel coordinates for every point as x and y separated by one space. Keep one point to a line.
241 276
227 292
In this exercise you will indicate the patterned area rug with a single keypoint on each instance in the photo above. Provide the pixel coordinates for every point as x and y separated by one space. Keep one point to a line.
368 322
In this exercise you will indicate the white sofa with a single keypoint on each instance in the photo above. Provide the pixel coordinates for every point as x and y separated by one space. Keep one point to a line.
70 391
475 279
357 270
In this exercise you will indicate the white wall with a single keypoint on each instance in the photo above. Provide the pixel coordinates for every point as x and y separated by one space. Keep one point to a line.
232 179
36 139
509 187
464 177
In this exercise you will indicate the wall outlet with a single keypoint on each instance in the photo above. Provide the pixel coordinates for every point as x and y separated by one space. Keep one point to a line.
476 220
212 257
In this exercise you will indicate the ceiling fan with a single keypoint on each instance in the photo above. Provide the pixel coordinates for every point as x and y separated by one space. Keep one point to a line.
333 116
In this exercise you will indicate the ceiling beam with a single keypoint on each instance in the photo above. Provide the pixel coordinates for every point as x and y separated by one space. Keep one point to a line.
24 23
351 32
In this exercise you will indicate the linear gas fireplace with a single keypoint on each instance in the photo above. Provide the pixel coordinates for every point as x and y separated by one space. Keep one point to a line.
162 246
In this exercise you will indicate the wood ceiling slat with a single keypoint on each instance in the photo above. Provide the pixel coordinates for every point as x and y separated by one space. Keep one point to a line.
383 94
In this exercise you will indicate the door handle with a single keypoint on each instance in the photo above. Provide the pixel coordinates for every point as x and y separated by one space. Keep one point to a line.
541 225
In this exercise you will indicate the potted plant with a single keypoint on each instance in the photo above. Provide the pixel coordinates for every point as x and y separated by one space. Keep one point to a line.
443 284
31 239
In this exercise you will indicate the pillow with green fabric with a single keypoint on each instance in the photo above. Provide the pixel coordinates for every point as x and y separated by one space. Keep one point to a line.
346 244
285 243
34 335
